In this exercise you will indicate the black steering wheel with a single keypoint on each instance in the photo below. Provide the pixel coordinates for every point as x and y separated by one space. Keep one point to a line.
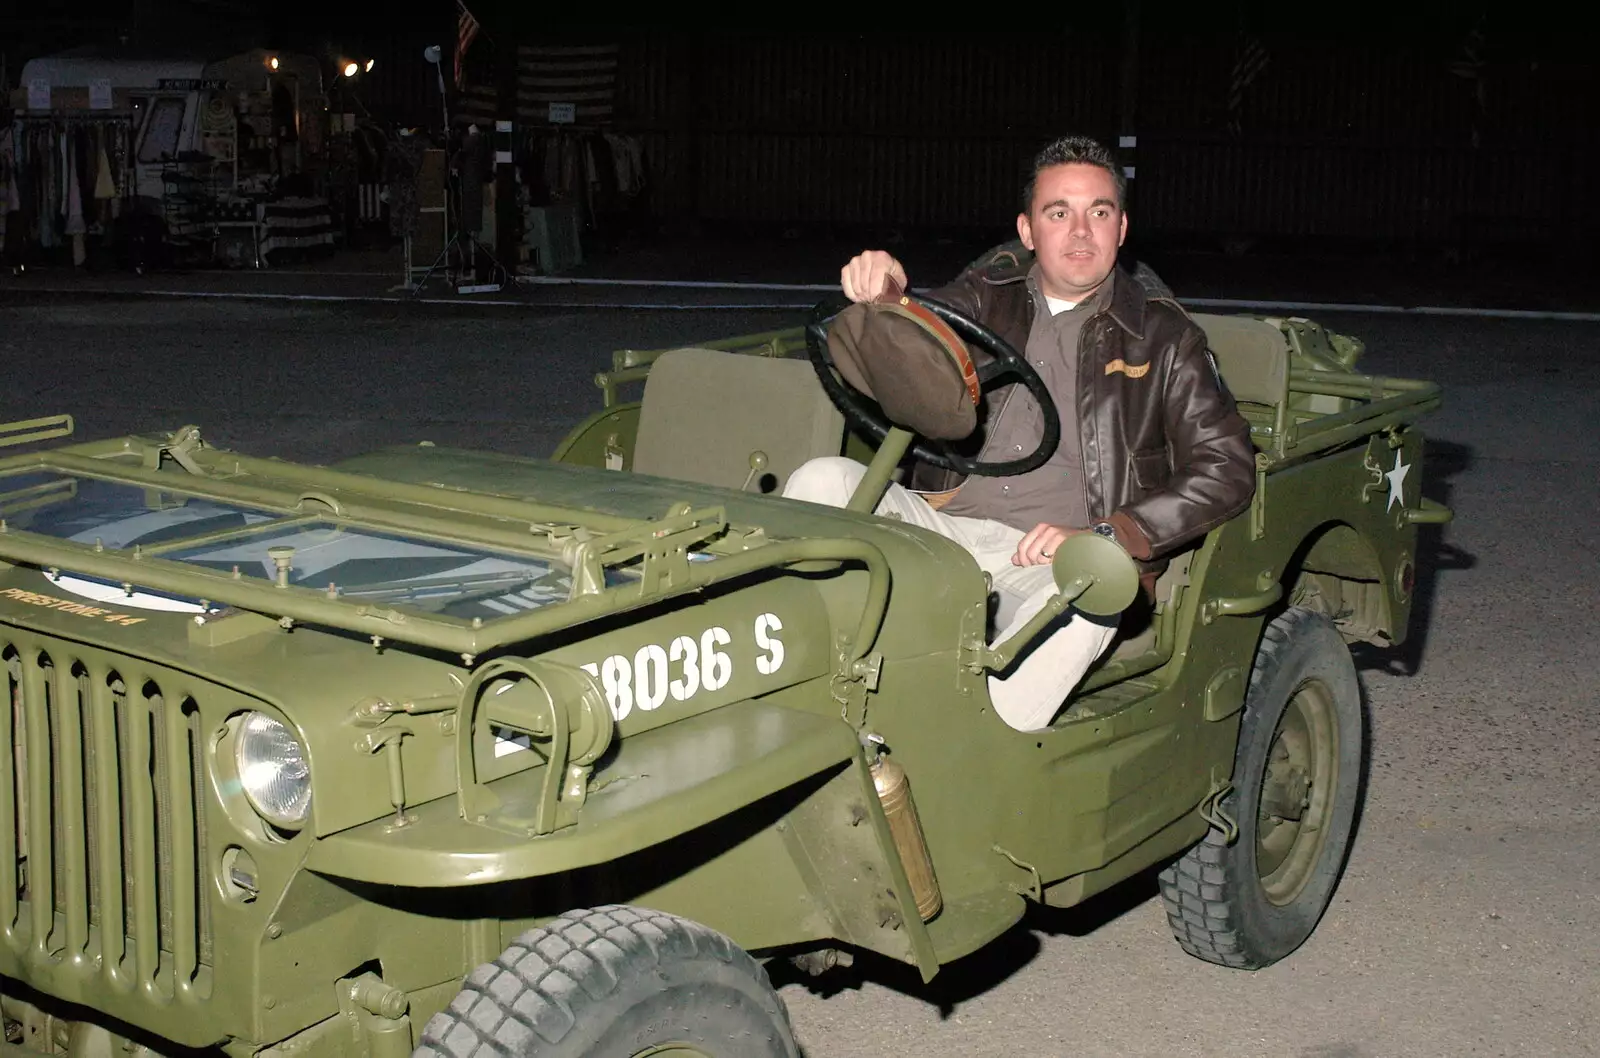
864 413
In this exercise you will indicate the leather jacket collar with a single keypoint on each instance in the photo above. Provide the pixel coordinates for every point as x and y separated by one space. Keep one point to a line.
1127 302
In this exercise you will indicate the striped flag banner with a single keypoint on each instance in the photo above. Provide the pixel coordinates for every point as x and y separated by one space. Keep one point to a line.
466 31
582 77
475 105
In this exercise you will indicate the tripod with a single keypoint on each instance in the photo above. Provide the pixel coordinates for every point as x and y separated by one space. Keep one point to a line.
463 239
467 246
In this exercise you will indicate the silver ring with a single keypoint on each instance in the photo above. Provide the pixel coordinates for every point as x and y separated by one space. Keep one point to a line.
1047 554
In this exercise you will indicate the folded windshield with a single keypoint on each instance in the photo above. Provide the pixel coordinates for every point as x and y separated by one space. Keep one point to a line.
390 567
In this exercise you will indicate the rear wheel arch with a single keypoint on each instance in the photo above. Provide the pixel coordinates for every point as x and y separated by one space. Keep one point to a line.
1336 571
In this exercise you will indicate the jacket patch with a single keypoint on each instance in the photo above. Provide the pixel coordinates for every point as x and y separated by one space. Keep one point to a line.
1131 370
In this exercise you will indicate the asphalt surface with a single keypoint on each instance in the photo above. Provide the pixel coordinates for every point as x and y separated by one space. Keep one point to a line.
1468 921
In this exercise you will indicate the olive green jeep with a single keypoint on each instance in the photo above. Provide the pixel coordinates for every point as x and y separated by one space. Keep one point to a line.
456 753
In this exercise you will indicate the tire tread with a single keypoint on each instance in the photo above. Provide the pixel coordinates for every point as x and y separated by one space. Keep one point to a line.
1198 889
540 986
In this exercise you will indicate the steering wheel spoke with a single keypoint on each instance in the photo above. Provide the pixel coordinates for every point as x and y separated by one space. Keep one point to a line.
994 369
865 415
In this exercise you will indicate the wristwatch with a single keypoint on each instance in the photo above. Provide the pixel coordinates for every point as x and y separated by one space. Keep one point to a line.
1105 529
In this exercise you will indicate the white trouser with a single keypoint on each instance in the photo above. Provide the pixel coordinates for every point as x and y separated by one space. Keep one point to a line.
1042 678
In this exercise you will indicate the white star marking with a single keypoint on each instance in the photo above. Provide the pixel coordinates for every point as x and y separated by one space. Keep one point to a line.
1397 483
114 594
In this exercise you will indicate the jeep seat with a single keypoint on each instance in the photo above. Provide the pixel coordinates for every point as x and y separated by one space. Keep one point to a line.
1252 355
1253 358
704 411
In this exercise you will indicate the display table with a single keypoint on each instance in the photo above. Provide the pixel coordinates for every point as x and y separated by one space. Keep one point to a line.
258 228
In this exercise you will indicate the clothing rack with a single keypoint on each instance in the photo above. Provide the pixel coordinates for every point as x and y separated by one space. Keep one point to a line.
590 166
55 202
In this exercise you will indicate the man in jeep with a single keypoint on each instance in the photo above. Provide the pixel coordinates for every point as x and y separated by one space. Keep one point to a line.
1153 452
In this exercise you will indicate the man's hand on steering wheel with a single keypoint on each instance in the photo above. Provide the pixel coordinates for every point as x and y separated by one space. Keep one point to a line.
871 274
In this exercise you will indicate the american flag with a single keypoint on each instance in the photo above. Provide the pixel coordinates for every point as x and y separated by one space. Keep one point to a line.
466 30
583 75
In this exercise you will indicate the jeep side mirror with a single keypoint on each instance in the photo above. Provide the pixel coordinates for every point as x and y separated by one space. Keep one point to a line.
1095 574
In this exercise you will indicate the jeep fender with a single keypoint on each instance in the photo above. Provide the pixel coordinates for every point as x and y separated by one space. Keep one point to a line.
814 860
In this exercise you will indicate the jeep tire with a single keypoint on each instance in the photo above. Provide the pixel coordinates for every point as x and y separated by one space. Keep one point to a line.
614 980
1297 780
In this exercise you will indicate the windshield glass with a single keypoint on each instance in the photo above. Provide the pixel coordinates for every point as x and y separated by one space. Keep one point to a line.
118 515
393 570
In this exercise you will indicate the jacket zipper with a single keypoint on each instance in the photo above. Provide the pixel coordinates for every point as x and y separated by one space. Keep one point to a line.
1084 374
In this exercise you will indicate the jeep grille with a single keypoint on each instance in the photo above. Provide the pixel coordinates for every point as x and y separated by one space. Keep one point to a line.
102 834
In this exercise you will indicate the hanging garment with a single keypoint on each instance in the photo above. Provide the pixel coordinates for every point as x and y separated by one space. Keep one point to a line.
73 204
10 173
36 200
74 225
63 168
595 165
7 182
117 150
627 154
104 186
402 164
19 225
565 167
50 164
83 141
122 164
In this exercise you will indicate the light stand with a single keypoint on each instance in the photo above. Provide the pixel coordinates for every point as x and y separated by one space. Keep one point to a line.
461 238
433 55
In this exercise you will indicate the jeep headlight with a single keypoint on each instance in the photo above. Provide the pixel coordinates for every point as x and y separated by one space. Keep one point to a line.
273 771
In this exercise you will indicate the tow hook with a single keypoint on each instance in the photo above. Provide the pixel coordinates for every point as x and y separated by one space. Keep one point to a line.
381 1011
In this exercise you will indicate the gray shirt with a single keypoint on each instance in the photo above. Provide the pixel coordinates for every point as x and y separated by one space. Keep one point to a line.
1053 493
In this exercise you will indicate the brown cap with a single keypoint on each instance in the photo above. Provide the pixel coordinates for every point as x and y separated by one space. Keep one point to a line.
911 363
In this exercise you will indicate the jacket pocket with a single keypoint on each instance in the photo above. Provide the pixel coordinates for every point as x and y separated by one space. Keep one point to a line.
1150 469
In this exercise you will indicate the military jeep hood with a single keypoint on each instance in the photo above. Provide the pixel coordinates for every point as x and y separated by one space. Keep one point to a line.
389 579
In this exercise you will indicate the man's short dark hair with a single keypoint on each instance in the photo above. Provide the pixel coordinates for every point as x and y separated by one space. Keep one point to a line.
1080 150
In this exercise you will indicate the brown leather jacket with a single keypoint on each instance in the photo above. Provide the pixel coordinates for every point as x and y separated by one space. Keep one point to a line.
1166 455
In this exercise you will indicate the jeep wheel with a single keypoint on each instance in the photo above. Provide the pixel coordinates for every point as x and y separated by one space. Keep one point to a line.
1297 778
615 980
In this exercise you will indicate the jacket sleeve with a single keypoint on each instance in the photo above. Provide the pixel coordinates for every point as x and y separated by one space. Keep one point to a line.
961 294
1212 460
